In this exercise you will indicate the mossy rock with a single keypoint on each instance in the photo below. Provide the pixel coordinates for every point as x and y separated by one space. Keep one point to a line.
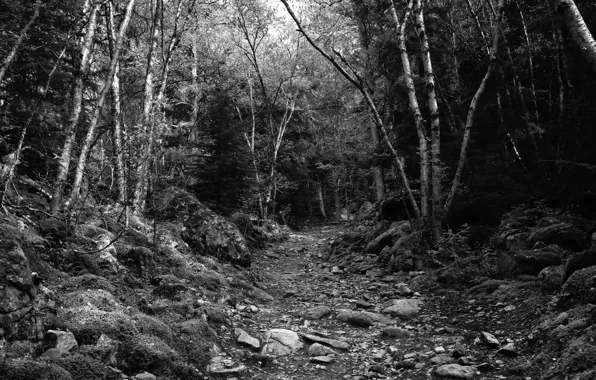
147 353
101 299
209 280
27 369
87 323
83 367
152 326
193 339
88 281
580 288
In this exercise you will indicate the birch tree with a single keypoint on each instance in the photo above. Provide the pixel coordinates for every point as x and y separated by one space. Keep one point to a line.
91 7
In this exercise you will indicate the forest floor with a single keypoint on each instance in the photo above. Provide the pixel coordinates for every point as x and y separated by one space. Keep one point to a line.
295 273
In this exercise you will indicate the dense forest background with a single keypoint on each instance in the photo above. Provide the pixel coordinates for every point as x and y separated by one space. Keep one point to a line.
114 101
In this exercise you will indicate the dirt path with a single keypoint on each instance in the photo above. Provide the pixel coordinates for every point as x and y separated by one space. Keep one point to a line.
296 275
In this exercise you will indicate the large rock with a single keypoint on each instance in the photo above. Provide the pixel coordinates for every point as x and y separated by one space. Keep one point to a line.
533 261
62 341
455 371
18 294
206 232
280 342
396 231
404 308
564 235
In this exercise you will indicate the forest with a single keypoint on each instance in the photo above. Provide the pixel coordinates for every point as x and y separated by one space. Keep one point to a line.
449 112
168 168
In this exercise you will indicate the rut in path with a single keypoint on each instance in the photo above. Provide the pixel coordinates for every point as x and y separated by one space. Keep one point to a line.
296 275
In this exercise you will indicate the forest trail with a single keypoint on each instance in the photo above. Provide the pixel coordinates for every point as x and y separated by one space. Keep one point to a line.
311 298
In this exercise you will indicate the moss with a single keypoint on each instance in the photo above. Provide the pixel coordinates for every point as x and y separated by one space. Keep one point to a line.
193 339
89 281
152 326
87 323
147 353
215 314
101 299
83 367
27 369
209 280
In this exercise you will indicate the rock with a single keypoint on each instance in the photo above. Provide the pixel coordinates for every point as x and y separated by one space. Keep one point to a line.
317 312
225 368
533 261
145 376
580 288
355 318
551 278
403 290
322 359
360 304
206 232
455 371
564 235
404 308
378 318
579 261
459 350
18 293
508 350
261 295
389 237
280 342
377 368
244 339
317 349
442 359
439 350
396 332
327 341
488 339
63 341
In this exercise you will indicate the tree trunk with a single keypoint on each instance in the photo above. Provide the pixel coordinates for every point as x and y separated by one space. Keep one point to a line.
117 115
435 126
13 52
530 64
578 28
76 108
321 199
147 120
415 107
251 145
472 110
89 139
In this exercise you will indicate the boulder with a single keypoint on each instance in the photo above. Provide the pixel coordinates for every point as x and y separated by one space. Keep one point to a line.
404 308
455 371
63 341
396 231
317 349
281 342
206 232
327 341
355 318
580 288
564 235
244 339
551 278
317 312
533 261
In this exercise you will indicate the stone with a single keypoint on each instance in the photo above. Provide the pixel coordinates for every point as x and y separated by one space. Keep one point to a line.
404 308
377 368
455 371
355 318
508 350
281 342
439 350
396 332
389 237
379 318
317 349
403 290
361 304
322 359
261 295
244 339
327 341
206 233
565 235
551 278
442 359
225 368
459 350
317 312
63 341
488 339
533 261
145 376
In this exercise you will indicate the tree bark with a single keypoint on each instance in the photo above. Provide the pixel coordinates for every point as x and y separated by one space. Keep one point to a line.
147 119
578 28
463 155
415 108
13 52
435 126
90 137
530 64
76 108
117 115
